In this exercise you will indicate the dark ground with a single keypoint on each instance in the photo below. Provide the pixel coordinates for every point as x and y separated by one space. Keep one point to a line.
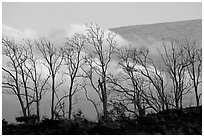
187 121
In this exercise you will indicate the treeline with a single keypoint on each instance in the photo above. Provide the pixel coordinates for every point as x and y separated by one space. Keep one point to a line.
141 82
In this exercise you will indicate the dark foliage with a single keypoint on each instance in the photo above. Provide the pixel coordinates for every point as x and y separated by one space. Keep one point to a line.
27 119
50 123
4 122
187 121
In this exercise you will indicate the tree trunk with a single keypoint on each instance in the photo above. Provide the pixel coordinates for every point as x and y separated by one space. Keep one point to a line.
70 107
70 99
53 97
38 111
37 104
195 84
22 105
196 95
135 107
26 92
177 102
104 98
19 96
105 107
181 102
27 102
70 104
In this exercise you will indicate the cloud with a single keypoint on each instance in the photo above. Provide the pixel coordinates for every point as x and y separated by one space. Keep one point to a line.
18 35
82 29
75 28
58 36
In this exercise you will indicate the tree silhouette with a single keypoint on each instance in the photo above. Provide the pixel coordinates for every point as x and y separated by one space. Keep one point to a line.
53 60
16 78
98 61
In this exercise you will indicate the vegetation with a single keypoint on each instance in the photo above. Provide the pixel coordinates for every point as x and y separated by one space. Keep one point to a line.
122 99
187 121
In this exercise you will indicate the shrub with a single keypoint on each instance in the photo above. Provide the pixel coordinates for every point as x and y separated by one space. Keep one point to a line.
27 119
4 122
78 116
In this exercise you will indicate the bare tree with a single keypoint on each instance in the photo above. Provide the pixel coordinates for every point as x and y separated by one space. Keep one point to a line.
24 76
13 78
157 97
99 60
89 75
194 54
129 83
38 83
176 63
53 60
73 61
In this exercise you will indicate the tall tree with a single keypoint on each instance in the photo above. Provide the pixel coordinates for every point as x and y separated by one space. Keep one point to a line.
35 75
12 81
99 60
176 63
73 60
158 98
53 60
194 54
129 83
24 75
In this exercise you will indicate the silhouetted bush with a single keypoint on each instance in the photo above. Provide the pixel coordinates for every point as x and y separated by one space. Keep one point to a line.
4 122
27 119
78 116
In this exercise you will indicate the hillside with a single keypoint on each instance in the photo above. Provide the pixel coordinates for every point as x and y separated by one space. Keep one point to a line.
170 122
145 35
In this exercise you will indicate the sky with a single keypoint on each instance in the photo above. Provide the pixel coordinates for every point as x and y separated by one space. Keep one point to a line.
45 17
29 20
